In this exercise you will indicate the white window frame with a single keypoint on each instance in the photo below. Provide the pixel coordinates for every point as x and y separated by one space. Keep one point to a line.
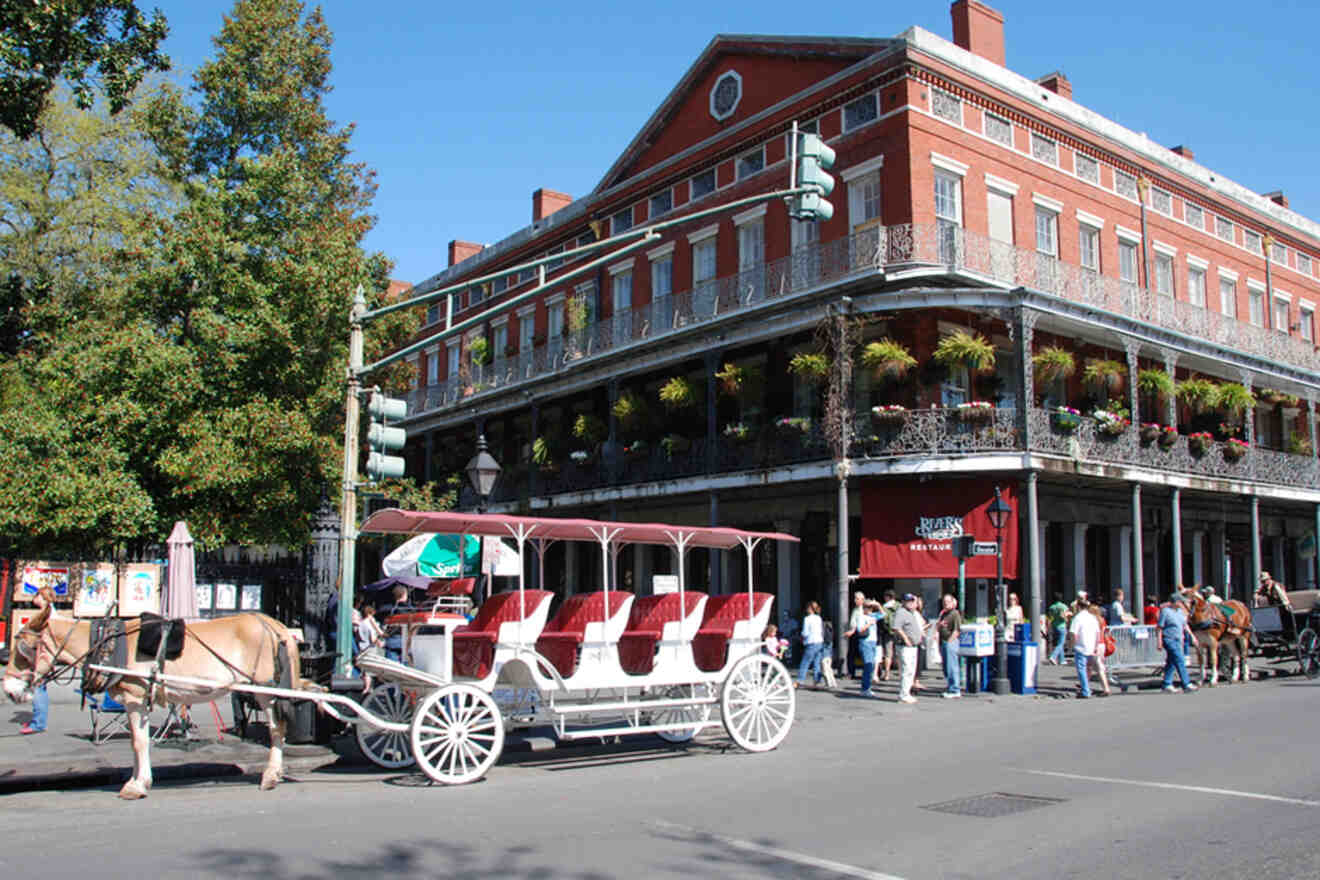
1196 269
704 241
432 365
453 358
857 178
1048 209
1306 319
650 204
715 184
1256 302
1284 299
499 336
526 328
875 100
1228 306
986 116
1088 231
738 165
1165 256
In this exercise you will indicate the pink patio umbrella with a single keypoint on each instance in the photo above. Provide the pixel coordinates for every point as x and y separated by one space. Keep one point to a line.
180 599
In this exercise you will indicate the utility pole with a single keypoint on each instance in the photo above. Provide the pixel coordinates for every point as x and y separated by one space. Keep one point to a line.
348 511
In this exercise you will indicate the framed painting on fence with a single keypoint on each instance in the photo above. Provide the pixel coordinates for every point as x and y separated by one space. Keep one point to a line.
226 597
139 589
96 591
250 599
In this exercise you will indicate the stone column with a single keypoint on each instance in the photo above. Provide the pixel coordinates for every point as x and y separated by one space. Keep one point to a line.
1035 529
1219 557
1171 405
642 569
1198 558
1175 513
1074 557
1120 551
1138 574
1278 544
1249 420
1253 576
1023 329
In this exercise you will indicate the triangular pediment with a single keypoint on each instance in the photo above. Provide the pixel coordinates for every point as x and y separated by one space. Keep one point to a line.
733 80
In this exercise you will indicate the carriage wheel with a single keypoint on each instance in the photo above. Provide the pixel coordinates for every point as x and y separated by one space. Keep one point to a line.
457 734
387 748
677 715
1308 652
758 703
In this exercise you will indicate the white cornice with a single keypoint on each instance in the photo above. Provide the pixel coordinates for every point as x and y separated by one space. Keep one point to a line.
1047 203
999 184
946 163
703 233
1127 234
625 266
663 251
853 172
1090 219
750 214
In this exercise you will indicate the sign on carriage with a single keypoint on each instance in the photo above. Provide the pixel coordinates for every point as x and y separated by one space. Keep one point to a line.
139 589
664 583
96 591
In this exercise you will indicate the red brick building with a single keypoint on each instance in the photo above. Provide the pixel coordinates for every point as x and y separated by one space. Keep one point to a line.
1093 268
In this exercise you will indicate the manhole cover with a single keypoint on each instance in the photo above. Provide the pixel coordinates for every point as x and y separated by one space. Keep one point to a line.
994 804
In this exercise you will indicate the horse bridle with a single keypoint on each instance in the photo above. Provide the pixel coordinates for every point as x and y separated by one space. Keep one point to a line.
29 643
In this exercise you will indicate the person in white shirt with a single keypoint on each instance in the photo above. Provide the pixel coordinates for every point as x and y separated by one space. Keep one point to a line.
862 625
1085 632
813 638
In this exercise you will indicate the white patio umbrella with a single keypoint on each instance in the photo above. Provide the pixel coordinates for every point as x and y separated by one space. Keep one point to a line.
180 598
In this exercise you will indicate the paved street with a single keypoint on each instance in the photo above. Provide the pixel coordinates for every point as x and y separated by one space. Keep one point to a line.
1222 783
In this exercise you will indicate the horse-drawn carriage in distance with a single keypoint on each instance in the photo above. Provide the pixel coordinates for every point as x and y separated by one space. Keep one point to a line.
1286 624
607 663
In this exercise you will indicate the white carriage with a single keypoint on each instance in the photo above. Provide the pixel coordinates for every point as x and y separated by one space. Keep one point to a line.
606 664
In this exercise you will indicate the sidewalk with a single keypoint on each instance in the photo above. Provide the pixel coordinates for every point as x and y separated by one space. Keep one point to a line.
64 756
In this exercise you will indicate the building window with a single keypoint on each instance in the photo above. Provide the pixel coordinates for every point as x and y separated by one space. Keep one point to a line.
662 203
554 321
703 261
703 184
1253 242
1307 320
433 313
621 222
433 368
1088 246
1303 263
554 264
751 246
1279 254
864 199
858 113
622 292
499 285
946 106
1280 315
1196 286
662 278
1125 184
1127 261
500 339
526 330
1161 201
585 239
1224 228
999 130
1044 149
751 163
1088 169
1047 232
999 211
948 198
1164 274
1228 298
1194 215
452 355
1256 301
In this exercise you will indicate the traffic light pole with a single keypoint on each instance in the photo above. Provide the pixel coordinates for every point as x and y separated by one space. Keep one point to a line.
348 512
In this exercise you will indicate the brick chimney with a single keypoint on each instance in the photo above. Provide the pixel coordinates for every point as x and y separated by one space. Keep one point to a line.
461 250
979 29
1058 83
546 201
1185 152
1278 198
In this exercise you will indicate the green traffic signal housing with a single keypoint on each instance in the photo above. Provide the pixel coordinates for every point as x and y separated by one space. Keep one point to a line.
383 439
813 159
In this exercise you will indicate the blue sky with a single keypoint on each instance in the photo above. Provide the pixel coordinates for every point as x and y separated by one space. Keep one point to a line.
464 109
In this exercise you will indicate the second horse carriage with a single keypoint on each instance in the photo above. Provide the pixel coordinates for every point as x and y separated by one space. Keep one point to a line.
607 663
1286 624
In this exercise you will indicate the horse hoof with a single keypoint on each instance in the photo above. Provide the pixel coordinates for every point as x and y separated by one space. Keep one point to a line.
131 792
269 781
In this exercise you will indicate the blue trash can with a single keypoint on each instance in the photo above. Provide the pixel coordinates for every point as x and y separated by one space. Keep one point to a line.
1023 657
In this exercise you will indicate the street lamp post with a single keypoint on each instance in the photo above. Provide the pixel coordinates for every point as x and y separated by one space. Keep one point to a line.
998 512
482 471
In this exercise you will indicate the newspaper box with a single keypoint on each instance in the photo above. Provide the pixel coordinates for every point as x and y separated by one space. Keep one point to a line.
976 640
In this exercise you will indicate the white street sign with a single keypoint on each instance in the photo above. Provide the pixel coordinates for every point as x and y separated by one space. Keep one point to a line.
983 548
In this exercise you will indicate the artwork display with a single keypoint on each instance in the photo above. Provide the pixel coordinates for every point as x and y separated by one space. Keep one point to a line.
203 596
96 591
251 598
226 597
43 574
139 589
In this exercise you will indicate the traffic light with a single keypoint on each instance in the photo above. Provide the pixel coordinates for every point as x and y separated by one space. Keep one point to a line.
383 439
813 159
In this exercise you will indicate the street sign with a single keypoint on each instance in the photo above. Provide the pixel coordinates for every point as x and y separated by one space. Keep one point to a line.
984 548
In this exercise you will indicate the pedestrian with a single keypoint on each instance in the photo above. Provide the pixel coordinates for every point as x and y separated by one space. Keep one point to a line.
1099 657
862 626
923 659
886 634
1013 614
1058 614
1172 623
947 629
368 634
394 635
1116 614
770 642
1150 614
813 640
908 632
40 697
1085 632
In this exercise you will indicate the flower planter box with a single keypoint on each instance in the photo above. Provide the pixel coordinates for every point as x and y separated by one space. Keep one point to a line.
1149 434
1065 423
1198 445
1234 452
976 413
889 416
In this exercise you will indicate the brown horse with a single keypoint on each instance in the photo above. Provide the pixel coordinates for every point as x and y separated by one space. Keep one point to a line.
244 648
1212 623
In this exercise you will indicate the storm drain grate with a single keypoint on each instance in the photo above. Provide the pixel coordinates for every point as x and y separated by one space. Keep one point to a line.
996 803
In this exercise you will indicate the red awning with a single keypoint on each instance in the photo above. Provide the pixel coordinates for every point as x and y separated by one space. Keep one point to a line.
410 522
907 527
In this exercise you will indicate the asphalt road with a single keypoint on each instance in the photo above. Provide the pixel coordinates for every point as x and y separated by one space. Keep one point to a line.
1218 784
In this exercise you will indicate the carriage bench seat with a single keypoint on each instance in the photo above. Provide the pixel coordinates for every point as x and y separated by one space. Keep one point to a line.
564 635
646 627
474 644
710 647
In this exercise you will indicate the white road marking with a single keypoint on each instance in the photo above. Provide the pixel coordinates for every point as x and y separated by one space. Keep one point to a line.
782 854
1201 788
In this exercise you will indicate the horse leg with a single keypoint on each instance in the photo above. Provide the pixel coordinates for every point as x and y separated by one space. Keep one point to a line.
1242 647
275 763
1214 663
139 728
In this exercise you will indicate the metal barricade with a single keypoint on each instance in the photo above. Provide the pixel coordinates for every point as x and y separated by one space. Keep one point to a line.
1136 647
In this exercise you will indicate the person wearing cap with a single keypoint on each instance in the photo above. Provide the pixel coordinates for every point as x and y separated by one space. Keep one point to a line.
908 632
1172 628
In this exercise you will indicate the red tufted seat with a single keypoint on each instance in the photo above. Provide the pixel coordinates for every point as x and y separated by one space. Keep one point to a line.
456 587
710 647
474 644
646 625
563 635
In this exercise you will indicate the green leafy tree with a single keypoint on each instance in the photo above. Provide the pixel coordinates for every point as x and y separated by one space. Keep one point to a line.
95 45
